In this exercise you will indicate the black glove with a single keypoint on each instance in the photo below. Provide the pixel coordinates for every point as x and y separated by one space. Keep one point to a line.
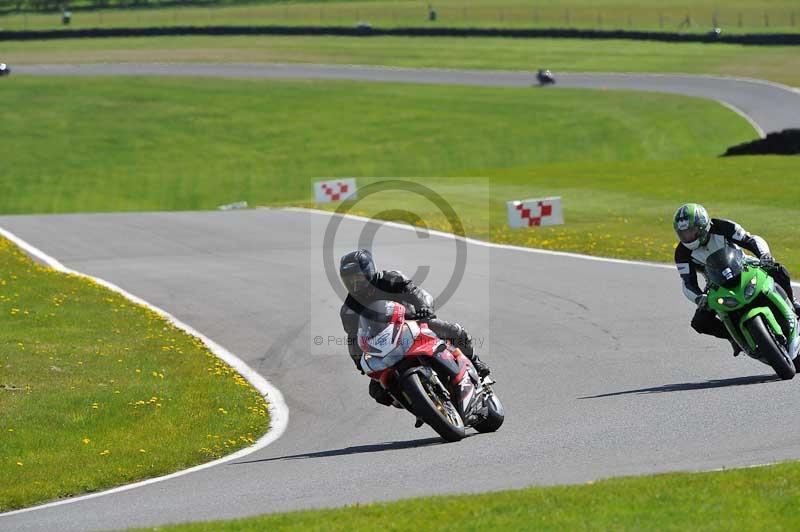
702 302
766 261
423 313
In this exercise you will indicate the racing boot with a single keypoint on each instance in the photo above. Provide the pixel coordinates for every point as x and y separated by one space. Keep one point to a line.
464 342
736 349
480 366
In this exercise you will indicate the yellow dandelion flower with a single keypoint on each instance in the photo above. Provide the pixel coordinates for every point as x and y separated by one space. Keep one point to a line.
19 463
142 451
86 441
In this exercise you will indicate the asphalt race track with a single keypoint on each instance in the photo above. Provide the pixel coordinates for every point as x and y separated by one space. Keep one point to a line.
597 366
772 107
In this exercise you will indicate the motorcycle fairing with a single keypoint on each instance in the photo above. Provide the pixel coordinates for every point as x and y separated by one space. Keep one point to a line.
425 341
376 363
762 283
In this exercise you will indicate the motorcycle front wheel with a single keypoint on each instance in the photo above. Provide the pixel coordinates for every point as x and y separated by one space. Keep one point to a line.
769 350
434 409
495 416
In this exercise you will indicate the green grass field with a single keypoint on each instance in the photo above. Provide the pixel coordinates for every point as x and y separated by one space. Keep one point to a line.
96 391
632 158
734 16
133 144
780 64
745 499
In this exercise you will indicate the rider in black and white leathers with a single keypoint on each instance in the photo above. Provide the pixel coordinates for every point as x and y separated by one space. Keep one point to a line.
689 262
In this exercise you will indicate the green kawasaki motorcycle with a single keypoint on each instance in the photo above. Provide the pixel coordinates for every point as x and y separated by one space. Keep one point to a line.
755 310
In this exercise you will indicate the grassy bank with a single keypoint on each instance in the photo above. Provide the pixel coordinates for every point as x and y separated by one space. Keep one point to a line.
780 64
621 161
734 16
620 210
168 144
96 391
762 498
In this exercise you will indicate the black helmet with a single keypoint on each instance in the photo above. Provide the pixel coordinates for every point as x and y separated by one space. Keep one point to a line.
357 270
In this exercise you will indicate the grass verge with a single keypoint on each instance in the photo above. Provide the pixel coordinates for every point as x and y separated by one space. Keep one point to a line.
96 391
763 498
176 144
620 209
632 157
734 16
775 63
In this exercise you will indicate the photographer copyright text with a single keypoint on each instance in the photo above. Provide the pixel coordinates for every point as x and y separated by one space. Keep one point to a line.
340 341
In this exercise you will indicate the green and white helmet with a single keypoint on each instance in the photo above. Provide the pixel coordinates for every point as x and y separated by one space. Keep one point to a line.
692 225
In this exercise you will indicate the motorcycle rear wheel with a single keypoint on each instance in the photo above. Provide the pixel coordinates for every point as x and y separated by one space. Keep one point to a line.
769 349
433 409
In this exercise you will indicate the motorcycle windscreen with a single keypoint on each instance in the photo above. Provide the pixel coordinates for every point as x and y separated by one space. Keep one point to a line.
371 363
724 266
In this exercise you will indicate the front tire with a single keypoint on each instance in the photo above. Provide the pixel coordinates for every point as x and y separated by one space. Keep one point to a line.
769 350
433 409
496 416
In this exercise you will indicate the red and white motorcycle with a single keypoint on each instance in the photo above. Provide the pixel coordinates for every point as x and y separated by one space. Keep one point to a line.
425 374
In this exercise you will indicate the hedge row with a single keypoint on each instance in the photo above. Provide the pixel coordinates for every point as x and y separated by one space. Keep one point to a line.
364 31
786 142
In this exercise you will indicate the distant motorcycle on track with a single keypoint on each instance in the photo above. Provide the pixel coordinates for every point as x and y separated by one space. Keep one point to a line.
545 77
4 69
425 374
754 309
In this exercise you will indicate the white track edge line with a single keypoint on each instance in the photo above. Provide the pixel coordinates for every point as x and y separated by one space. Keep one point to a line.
484 243
744 115
279 412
